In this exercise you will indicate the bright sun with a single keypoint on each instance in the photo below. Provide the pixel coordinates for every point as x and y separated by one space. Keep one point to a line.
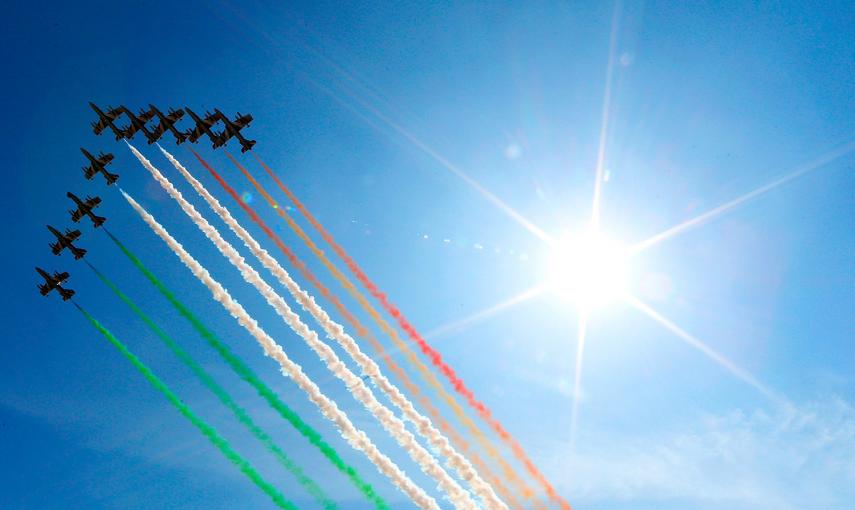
587 269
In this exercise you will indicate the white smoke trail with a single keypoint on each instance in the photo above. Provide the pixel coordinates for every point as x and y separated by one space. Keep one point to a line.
335 331
355 437
396 428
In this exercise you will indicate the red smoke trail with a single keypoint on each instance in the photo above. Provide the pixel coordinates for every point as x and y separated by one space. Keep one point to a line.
434 356
362 331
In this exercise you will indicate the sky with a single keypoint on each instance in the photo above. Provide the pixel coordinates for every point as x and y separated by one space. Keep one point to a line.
371 114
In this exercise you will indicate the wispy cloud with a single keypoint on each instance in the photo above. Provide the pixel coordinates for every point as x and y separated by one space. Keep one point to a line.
787 457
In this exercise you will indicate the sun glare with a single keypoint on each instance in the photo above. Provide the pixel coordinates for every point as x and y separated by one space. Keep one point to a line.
587 269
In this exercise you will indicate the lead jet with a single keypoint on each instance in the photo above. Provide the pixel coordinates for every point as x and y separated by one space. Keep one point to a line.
138 123
203 127
64 241
233 127
97 165
167 123
84 208
105 120
52 282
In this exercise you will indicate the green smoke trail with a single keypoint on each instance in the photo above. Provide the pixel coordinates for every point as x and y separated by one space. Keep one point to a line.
224 397
207 430
263 390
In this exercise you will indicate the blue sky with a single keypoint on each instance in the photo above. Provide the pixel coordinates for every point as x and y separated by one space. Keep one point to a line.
709 101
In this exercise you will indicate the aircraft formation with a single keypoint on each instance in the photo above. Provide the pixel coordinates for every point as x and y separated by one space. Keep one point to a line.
204 126
83 208
137 123
361 384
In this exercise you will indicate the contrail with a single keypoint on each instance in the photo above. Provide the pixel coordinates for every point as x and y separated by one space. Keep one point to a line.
355 437
208 431
400 345
354 383
242 416
247 374
336 332
430 352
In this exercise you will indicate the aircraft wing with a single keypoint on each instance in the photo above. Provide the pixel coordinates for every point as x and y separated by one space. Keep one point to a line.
158 130
71 236
89 171
220 140
242 121
174 115
76 215
60 277
194 134
106 158
92 202
98 127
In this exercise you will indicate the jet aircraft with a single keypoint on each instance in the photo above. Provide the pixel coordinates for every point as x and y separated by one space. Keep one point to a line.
84 208
52 282
167 123
105 120
98 164
64 241
233 127
203 127
138 123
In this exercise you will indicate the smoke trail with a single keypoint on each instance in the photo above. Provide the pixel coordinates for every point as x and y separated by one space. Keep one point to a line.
354 383
424 371
208 431
335 331
435 357
206 379
246 373
364 332
427 350
355 437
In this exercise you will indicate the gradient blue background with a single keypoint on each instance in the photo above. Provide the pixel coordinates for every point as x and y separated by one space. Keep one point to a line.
710 100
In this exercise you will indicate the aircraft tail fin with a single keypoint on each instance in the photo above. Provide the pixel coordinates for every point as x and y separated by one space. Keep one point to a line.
78 252
98 220
111 178
247 146
65 293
